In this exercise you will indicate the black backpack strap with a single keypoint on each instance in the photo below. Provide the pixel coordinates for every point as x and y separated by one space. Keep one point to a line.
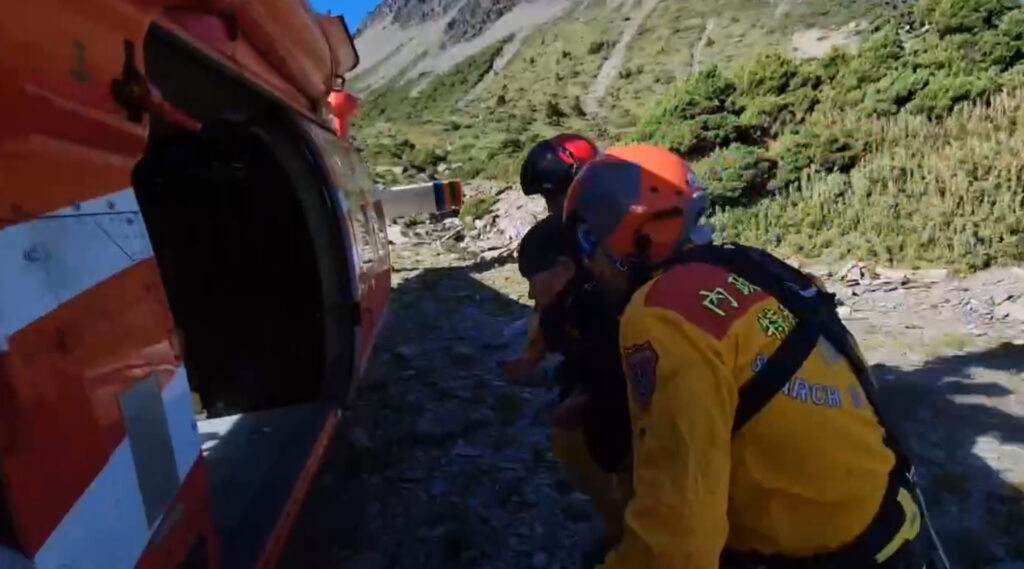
775 372
771 377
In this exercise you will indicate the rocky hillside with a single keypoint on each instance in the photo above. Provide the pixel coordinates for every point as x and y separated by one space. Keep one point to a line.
468 15
403 40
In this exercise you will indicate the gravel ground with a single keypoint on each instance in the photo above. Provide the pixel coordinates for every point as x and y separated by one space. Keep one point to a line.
441 464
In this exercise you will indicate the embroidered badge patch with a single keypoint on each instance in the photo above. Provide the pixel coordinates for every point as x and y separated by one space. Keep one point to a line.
642 362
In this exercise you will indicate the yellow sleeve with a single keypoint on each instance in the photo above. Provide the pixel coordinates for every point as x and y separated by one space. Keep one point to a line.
682 426
535 350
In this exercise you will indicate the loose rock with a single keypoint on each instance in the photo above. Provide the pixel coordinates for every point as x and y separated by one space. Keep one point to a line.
1010 309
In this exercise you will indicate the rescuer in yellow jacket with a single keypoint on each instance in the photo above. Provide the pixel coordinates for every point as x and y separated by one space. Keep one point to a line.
755 442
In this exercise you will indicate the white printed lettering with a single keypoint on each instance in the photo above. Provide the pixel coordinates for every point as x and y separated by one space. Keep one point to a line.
799 391
834 399
818 394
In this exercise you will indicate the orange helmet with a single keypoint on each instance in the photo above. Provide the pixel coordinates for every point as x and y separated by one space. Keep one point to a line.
640 202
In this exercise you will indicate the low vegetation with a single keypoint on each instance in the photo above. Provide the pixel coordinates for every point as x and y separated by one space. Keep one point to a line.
477 207
907 151
947 191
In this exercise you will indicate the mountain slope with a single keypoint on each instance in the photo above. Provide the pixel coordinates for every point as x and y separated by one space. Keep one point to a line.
590 65
801 152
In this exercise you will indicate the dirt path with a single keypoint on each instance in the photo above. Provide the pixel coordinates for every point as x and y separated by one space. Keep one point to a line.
440 464
698 51
507 52
814 43
591 101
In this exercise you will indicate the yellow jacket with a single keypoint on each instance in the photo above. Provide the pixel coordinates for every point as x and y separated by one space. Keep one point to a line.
805 476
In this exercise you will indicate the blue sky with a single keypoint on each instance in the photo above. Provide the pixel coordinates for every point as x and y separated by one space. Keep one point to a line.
353 10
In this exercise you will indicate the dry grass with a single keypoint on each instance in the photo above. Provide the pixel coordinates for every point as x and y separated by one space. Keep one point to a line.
947 191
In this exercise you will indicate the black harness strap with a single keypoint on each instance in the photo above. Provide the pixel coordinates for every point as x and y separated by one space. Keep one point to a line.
813 308
773 375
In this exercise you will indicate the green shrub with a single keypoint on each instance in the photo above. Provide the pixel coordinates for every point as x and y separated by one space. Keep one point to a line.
879 55
933 52
946 89
511 144
965 16
401 149
894 91
949 191
468 170
829 150
426 159
553 112
693 139
599 46
477 206
768 74
828 67
705 93
996 49
736 176
775 113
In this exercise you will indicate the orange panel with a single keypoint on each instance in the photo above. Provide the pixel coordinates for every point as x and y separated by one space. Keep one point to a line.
64 373
63 138
39 175
287 36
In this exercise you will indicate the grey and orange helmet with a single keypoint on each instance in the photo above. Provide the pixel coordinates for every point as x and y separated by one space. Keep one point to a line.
641 203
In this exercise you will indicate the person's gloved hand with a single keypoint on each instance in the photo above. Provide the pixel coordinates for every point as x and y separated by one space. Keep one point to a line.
569 414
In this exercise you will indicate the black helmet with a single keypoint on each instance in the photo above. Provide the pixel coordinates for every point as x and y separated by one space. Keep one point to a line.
543 244
552 164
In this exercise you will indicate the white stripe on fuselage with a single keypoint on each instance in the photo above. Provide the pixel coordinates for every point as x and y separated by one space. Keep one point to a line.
106 528
49 260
